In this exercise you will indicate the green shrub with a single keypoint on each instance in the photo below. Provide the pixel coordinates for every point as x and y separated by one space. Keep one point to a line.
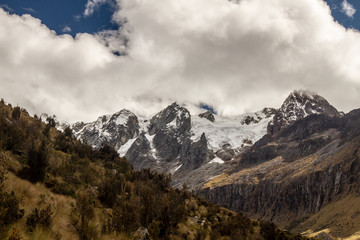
16 113
10 211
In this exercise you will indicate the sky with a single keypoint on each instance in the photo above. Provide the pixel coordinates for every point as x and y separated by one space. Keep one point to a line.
81 59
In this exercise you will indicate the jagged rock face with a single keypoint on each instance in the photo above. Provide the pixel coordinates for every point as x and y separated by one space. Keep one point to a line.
195 154
114 130
298 105
173 118
167 132
138 153
167 144
293 142
208 115
171 127
167 147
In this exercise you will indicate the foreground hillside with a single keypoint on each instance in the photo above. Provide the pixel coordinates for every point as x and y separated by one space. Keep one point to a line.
54 187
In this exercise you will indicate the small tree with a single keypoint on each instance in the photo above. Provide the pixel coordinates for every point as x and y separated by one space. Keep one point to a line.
38 162
16 113
51 121
85 203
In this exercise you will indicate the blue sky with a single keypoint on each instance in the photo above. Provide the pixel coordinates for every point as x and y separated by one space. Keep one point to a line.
68 15
340 14
64 15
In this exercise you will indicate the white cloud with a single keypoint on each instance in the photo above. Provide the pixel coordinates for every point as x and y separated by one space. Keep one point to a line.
66 29
348 9
92 5
235 57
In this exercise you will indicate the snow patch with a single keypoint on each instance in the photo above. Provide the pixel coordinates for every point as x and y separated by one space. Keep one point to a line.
216 160
153 149
122 120
172 124
124 148
175 169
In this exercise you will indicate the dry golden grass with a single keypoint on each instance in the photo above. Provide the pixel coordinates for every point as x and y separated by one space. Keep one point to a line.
37 195
341 218
355 236
249 175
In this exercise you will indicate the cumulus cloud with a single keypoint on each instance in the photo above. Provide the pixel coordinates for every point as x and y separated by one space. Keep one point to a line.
237 57
348 9
92 5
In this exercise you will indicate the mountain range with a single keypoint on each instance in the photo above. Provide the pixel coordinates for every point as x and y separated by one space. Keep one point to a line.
285 165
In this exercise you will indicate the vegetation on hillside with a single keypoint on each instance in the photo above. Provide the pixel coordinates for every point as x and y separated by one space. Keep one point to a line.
52 186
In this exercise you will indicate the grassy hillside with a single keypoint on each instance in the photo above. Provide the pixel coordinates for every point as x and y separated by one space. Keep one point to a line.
55 187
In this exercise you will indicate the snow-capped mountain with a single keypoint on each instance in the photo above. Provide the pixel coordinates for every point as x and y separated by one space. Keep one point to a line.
298 105
174 140
194 148
114 130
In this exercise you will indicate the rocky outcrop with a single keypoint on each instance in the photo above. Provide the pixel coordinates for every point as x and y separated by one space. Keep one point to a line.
226 153
208 115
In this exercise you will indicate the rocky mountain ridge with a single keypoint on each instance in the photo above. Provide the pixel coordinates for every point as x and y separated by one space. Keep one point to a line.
175 141
297 171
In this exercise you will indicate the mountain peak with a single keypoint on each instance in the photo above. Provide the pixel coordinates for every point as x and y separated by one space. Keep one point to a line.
300 104
112 129
122 117
173 116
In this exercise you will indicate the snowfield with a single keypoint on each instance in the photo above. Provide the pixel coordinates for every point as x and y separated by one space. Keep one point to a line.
228 130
